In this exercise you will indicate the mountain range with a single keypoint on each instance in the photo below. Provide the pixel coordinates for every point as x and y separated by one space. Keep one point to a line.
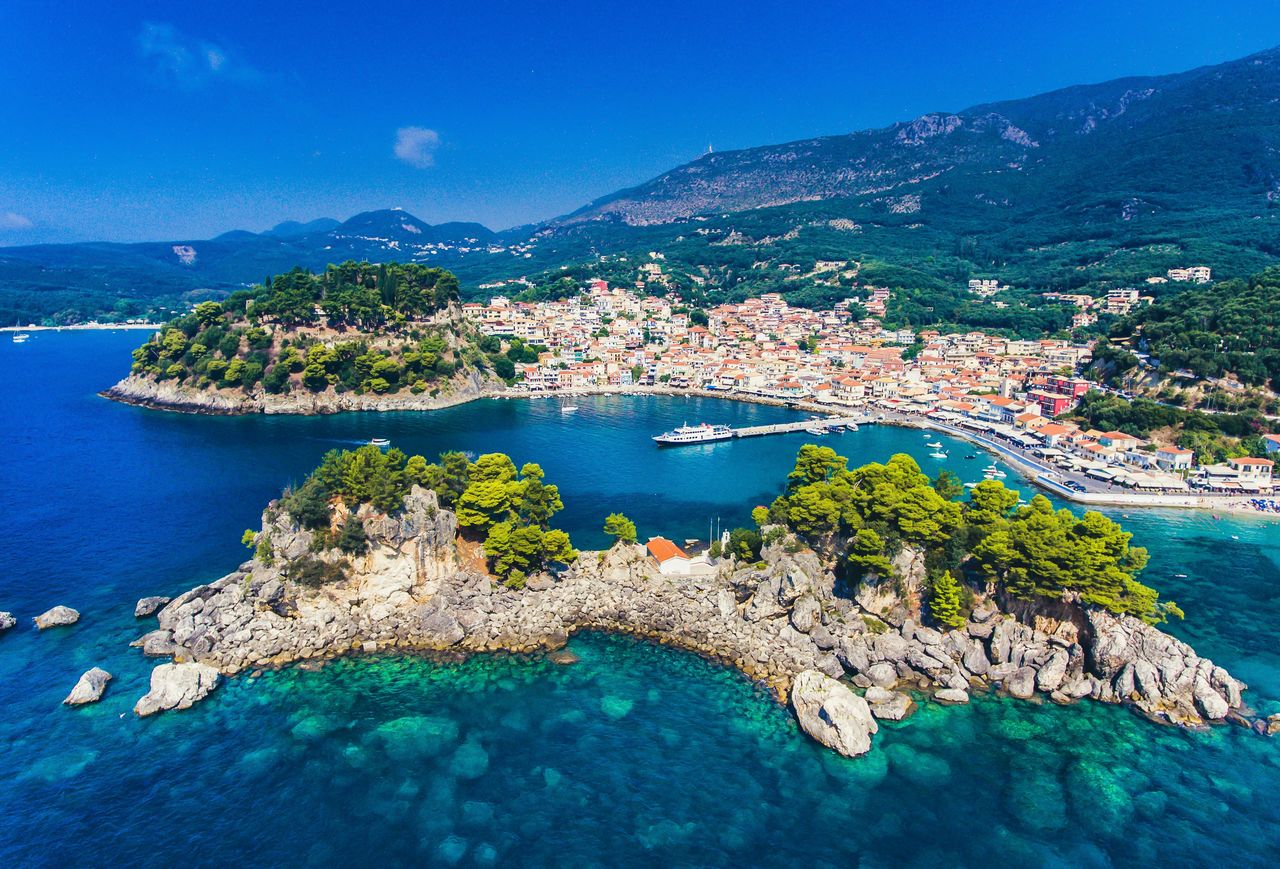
1085 185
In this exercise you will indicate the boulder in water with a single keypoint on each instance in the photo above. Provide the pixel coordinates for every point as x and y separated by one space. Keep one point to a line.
90 687
148 606
1022 684
952 695
56 617
832 714
7 621
177 686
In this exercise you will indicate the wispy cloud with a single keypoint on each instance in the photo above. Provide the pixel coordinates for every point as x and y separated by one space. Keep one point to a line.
13 220
181 61
417 146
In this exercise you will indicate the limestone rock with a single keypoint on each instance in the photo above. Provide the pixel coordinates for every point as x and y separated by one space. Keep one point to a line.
177 686
952 695
90 687
148 606
883 674
895 707
1052 672
56 617
7 621
832 714
806 615
1022 684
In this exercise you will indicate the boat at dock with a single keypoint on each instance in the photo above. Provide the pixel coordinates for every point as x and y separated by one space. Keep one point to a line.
694 434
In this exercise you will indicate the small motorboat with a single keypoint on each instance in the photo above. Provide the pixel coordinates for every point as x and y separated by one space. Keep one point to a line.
380 443
970 485
568 408
937 445
853 426
971 456
938 454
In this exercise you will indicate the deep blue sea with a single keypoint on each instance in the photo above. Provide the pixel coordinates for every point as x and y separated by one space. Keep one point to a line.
636 755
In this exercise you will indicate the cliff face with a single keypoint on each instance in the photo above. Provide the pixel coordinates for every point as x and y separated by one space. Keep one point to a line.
168 395
780 623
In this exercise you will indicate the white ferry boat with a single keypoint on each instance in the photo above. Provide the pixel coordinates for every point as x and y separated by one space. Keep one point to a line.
694 434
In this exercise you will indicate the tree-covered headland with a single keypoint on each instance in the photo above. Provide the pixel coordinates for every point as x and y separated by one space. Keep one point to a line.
356 327
506 509
985 541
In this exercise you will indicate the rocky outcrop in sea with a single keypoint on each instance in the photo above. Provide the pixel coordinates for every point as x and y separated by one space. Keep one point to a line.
779 621
56 617
7 621
169 395
90 688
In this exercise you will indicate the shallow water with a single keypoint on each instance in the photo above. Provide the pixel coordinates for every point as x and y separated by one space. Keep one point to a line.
635 755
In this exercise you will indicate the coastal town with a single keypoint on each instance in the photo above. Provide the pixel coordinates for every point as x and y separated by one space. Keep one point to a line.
1005 394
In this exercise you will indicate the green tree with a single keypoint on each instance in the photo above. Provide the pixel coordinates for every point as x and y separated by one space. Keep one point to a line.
620 527
948 485
352 539
944 601
866 553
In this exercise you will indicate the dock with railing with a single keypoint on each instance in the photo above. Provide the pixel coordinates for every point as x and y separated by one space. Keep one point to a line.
834 422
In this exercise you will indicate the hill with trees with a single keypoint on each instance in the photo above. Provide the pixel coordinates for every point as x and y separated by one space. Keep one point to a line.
1228 329
873 511
506 510
354 328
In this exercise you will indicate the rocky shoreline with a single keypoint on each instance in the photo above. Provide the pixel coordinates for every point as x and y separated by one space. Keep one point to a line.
166 395
780 622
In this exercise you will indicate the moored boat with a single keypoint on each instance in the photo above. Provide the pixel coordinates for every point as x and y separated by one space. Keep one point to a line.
694 434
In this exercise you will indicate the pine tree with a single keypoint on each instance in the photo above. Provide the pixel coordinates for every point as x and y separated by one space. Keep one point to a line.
944 601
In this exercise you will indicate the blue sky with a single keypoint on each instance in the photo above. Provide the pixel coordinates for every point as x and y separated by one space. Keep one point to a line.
131 121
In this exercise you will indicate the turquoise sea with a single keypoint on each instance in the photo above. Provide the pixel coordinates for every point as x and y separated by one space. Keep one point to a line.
635 755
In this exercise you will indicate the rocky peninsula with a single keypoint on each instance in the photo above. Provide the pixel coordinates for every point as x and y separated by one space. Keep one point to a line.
419 585
147 391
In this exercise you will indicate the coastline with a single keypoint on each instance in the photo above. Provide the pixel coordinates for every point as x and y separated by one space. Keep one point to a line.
143 392
779 621
84 327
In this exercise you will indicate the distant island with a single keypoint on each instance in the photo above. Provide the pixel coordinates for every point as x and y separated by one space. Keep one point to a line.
356 336
858 593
